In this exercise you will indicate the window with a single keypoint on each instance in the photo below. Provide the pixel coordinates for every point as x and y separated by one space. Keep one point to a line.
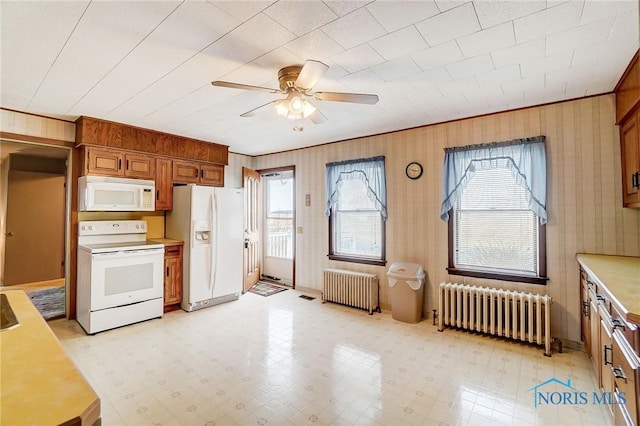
495 228
279 216
356 206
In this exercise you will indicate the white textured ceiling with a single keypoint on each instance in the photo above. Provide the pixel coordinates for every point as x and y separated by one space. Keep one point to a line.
150 64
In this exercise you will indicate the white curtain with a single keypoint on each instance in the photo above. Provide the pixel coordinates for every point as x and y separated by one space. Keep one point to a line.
526 158
369 170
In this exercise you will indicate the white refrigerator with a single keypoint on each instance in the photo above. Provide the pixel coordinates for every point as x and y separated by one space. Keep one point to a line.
210 222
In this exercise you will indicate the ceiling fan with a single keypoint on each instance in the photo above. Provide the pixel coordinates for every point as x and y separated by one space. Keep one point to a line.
297 82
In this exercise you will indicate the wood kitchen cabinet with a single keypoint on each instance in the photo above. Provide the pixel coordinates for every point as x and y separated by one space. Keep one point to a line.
610 330
104 162
194 172
164 184
630 154
172 274
628 117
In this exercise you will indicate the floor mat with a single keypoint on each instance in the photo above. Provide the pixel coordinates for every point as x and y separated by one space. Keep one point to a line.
266 289
50 302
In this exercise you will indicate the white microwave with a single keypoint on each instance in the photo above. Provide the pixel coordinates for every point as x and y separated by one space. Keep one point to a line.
100 193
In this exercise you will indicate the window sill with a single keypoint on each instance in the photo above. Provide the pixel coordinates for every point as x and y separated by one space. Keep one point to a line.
362 260
502 277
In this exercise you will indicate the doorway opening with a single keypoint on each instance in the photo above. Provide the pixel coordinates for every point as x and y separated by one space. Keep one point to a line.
278 235
33 218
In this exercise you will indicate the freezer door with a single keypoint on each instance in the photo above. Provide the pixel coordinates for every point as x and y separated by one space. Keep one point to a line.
200 284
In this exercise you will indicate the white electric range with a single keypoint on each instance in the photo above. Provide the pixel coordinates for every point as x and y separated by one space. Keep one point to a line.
120 275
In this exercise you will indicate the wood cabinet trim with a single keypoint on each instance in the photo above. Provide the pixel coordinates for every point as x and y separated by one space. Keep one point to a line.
149 141
628 90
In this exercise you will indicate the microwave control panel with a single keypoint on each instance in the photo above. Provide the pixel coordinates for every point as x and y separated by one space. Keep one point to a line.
147 198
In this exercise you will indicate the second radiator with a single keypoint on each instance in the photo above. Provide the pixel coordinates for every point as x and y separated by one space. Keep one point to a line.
356 289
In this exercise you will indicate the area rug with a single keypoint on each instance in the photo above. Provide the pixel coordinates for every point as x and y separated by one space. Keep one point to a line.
49 302
266 289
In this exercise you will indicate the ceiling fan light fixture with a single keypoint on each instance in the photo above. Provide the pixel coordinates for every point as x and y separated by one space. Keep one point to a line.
296 104
282 108
294 107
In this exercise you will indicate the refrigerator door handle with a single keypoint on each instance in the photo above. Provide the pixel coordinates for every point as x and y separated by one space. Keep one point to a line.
212 248
214 243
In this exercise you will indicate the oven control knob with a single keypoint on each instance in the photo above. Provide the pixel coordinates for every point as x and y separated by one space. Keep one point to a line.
137 226
83 227
90 227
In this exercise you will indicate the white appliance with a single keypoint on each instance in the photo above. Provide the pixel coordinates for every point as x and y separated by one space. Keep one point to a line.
101 193
120 275
210 222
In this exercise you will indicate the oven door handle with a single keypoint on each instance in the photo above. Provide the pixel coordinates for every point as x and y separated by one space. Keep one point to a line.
127 253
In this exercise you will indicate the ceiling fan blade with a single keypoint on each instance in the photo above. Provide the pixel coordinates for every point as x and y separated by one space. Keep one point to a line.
243 86
317 117
358 98
256 110
310 74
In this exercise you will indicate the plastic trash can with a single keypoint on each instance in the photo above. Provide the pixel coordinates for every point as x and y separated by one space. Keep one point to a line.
406 291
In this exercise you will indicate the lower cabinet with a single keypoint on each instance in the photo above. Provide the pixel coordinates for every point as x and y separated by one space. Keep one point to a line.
172 276
612 344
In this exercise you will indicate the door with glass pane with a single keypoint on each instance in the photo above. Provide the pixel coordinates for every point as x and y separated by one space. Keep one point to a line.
251 262
278 226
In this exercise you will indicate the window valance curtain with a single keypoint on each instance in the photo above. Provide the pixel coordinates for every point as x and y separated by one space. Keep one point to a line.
369 170
526 158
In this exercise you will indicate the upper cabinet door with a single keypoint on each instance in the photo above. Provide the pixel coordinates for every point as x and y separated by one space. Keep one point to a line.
212 174
630 151
186 172
164 184
103 162
140 166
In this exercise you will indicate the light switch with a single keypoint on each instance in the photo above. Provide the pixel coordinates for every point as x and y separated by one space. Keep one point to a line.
307 200
299 230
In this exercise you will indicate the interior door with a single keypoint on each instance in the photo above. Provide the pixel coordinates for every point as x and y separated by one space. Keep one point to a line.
251 184
34 245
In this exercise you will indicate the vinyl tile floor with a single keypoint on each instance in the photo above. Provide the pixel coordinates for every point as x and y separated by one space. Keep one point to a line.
284 360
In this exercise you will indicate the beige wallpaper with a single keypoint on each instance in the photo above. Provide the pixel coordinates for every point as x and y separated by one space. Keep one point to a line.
584 197
34 125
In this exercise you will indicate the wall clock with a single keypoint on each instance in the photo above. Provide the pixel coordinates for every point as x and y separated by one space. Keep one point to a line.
413 170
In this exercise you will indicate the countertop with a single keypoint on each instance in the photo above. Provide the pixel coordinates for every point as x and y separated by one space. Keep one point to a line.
620 276
167 241
40 385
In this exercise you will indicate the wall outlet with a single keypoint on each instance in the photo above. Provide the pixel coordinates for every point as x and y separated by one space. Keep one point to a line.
299 229
307 200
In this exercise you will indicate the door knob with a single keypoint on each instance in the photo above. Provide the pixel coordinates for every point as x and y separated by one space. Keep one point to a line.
10 234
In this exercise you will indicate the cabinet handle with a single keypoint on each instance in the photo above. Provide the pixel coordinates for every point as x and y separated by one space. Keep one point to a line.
600 298
585 308
119 164
157 195
167 271
618 373
201 173
604 355
616 323
635 180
